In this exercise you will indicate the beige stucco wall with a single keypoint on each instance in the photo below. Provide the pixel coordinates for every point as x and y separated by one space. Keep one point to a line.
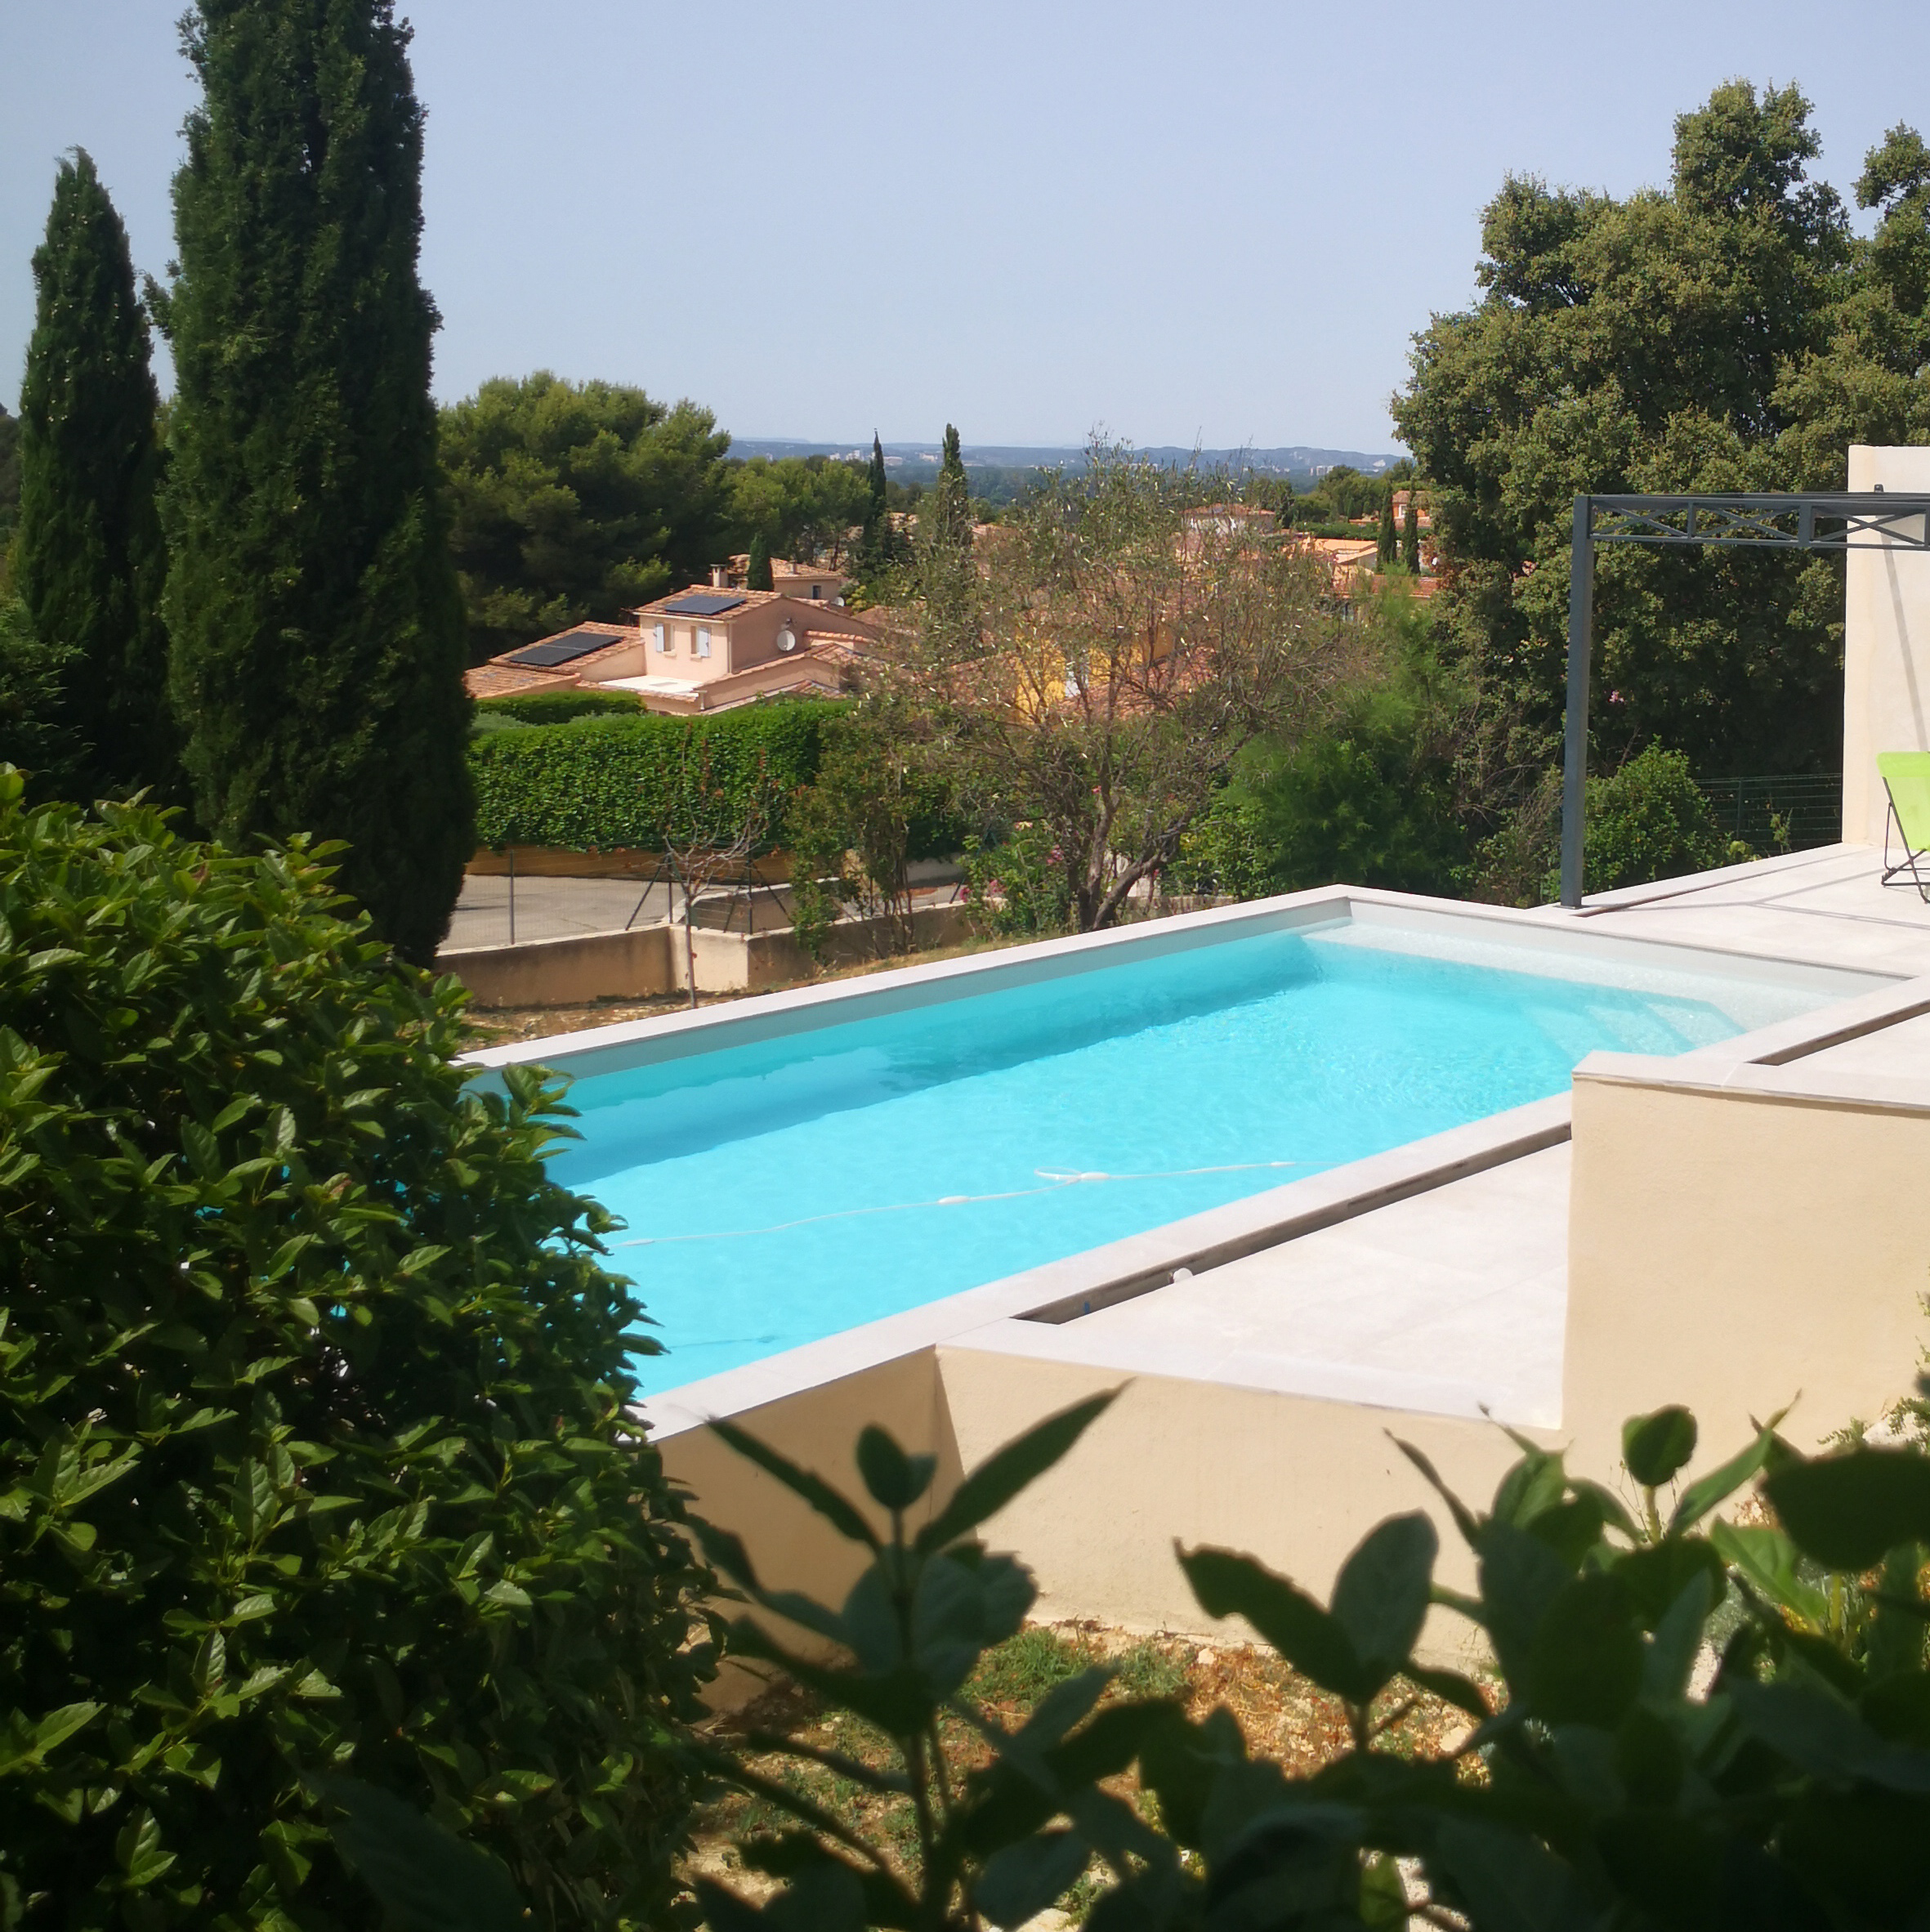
1294 1480
1886 671
1733 1252
790 1546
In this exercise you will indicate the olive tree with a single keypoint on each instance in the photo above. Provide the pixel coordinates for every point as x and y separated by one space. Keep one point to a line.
1127 641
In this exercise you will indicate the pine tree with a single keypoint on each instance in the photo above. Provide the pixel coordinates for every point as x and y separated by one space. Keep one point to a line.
90 559
757 576
1384 544
318 630
874 481
1410 538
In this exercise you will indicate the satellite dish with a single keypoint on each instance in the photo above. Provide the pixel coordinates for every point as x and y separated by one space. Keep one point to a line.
787 639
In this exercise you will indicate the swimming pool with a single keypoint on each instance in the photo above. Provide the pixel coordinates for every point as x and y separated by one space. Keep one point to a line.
787 1188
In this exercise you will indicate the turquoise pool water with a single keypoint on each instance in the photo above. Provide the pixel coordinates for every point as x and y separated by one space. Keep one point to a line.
780 1191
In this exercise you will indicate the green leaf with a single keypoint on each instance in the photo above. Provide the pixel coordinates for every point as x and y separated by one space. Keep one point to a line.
426 1878
898 1702
896 1480
1512 1882
1848 1511
1520 1578
1020 1881
1585 1663
1703 1495
1451 1687
838 1511
1380 1596
138 1850
1226 1584
1767 1558
1464 1519
1383 1895
1826 1738
1654 1447
1655 1574
1006 1471
1671 1654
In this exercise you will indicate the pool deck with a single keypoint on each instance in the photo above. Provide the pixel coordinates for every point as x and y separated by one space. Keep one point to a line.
1454 1301
1828 907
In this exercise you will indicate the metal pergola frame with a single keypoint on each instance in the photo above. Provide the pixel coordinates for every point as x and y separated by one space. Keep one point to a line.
1842 521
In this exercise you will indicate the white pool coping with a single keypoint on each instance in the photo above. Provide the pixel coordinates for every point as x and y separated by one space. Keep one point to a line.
1040 1311
635 1043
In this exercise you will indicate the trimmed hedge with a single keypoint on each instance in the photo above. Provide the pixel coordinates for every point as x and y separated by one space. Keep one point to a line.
600 783
559 707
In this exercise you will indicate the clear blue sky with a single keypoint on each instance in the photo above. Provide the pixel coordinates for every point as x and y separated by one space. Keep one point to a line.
1211 222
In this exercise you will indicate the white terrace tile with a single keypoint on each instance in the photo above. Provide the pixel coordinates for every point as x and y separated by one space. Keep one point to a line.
1452 1302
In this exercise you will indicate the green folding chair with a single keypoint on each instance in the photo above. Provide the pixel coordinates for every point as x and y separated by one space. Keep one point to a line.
1906 778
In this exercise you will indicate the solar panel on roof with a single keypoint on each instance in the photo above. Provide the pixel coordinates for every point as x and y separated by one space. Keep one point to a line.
560 650
707 604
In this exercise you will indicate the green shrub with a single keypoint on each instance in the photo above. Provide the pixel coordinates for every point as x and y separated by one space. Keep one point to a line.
1361 806
1649 821
36 732
313 1457
599 784
559 707
1604 1781
1228 849
1020 887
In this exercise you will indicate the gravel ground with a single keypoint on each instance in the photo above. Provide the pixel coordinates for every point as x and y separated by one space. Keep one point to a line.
1283 1715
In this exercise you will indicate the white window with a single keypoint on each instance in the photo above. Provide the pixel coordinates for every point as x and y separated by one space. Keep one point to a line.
657 637
703 639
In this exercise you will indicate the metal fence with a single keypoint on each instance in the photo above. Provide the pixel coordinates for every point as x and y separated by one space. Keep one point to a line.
1789 813
512 908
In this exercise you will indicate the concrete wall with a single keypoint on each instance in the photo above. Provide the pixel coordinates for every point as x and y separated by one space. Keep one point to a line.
1732 1251
1886 671
651 961
550 861
632 965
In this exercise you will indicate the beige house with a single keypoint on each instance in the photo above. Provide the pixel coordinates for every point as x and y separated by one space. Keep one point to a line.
812 582
703 649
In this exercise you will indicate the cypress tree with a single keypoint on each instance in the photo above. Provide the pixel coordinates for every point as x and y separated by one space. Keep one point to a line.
318 629
948 583
1384 543
950 510
875 548
757 576
90 561
1410 538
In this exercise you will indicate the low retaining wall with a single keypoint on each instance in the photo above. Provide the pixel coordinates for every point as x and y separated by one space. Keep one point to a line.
1294 1480
650 961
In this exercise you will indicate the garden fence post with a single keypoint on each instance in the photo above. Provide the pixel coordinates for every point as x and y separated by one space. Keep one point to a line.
1574 768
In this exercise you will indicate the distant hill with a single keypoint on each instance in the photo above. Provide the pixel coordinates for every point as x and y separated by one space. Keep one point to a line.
907 460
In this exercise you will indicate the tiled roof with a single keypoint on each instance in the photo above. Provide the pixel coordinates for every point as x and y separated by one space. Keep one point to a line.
503 681
750 600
